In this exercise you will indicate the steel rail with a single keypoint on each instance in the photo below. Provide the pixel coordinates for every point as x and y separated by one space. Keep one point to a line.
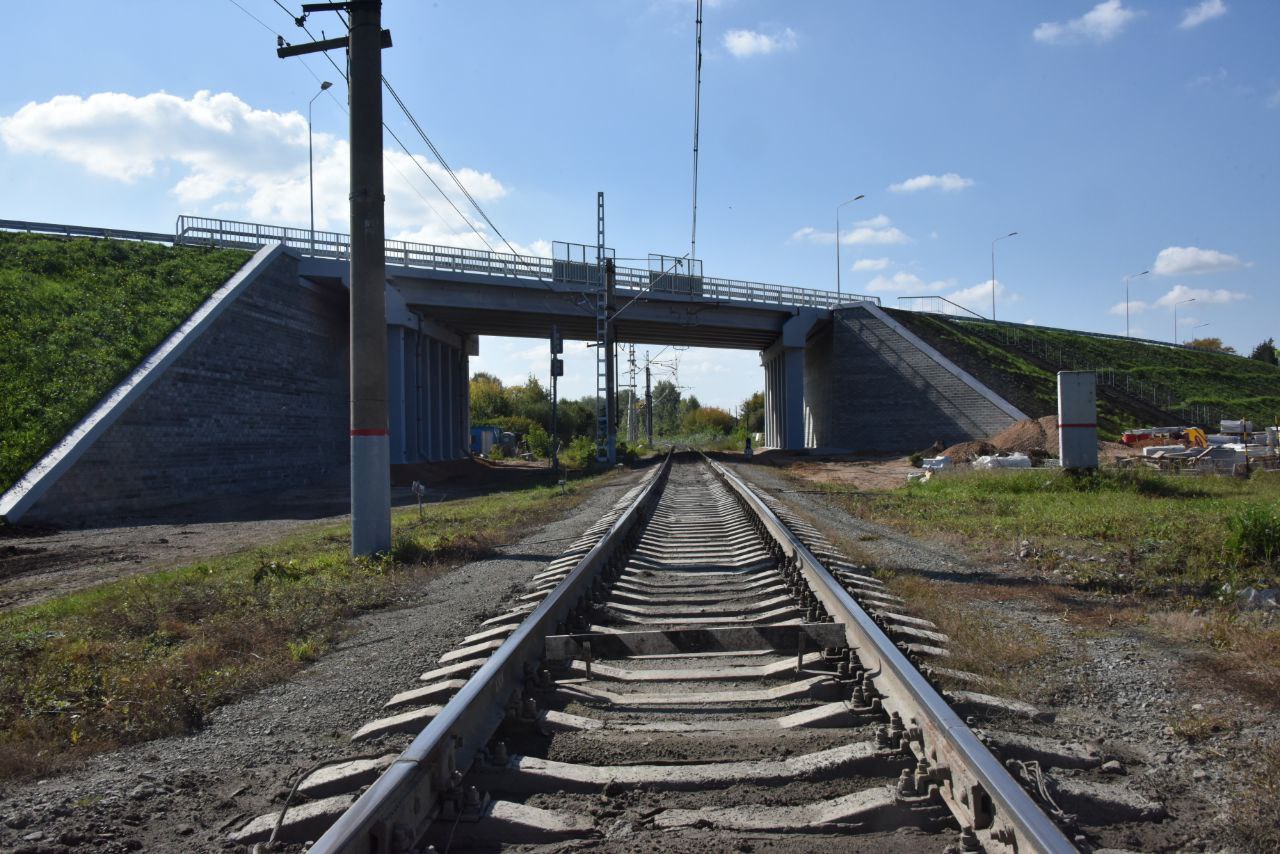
395 812
977 788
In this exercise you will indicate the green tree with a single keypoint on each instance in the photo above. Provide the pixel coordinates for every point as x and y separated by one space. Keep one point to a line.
753 413
531 401
488 398
1265 352
1214 344
666 408
707 419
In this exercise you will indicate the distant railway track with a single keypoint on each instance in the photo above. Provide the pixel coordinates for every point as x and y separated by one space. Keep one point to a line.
700 663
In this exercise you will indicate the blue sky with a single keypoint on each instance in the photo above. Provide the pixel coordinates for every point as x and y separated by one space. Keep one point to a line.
1115 137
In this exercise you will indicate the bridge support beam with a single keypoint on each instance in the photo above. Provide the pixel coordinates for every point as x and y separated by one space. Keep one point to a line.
783 361
428 392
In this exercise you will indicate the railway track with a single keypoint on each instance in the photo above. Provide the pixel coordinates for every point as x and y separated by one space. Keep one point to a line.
700 669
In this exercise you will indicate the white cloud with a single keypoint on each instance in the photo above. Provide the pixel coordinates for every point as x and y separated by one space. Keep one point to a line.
979 296
1179 293
1101 23
1206 10
867 264
1211 79
877 231
947 183
747 43
904 283
224 156
1187 260
1136 306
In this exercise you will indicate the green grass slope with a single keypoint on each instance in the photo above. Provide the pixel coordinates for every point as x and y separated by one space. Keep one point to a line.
1021 362
76 315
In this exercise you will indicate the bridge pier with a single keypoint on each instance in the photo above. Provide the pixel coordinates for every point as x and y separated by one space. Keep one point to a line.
784 401
428 390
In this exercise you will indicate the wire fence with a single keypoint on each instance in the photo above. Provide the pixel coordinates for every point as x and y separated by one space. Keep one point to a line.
1157 395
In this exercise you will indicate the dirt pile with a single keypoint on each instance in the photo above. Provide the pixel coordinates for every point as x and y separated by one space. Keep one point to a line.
967 452
1035 437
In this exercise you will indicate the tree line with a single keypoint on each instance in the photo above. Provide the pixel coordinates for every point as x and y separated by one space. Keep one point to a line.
525 409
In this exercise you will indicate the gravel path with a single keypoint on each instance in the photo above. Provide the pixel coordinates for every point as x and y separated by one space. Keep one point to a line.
1120 687
182 794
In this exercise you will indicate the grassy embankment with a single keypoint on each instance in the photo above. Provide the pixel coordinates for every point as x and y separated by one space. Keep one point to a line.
1139 547
1244 387
149 656
75 317
1118 549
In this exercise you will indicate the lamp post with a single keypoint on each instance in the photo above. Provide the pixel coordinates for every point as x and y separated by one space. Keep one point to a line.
838 207
1175 317
993 270
1126 298
311 168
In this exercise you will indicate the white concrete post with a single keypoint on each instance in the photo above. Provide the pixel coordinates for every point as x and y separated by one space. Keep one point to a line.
1078 419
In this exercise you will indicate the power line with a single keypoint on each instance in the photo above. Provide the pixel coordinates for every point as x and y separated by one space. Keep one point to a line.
440 158
301 23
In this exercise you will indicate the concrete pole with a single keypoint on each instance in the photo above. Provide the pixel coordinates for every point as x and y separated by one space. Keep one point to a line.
370 445
648 404
611 400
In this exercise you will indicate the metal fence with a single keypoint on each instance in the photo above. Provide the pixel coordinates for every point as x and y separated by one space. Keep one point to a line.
326 244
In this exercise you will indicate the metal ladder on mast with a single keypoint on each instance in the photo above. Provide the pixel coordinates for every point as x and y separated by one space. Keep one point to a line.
602 339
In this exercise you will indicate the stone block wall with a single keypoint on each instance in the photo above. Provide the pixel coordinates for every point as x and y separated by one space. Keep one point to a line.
257 402
870 389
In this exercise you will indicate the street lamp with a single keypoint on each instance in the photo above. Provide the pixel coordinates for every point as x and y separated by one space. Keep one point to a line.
838 207
1126 298
993 271
311 168
1175 317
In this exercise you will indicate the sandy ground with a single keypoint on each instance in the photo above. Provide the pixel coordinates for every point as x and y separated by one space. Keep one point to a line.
36 563
1106 676
857 473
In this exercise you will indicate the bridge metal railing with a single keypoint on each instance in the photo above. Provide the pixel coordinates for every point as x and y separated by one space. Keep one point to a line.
629 280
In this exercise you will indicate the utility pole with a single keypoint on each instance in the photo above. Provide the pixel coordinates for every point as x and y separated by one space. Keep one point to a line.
611 399
631 398
648 403
370 441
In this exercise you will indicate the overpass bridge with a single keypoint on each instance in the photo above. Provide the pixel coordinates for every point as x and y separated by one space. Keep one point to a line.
251 392
453 295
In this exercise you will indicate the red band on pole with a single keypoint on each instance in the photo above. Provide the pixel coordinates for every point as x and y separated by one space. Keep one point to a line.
369 431
1062 426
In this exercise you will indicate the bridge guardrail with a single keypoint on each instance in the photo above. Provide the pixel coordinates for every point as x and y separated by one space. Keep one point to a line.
631 281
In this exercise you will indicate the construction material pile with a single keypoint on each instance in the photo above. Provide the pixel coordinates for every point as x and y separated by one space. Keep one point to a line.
1037 438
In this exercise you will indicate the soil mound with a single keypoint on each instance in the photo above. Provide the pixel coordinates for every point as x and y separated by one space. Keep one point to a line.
1033 437
966 452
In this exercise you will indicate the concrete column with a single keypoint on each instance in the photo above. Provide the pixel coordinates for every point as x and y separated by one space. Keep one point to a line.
396 392
446 396
412 394
785 381
465 367
424 374
793 398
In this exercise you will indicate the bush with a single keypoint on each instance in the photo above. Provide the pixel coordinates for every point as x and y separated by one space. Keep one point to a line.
1254 535
539 441
580 454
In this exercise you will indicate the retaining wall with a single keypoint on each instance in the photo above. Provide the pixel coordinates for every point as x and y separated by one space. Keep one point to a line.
255 401
872 386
